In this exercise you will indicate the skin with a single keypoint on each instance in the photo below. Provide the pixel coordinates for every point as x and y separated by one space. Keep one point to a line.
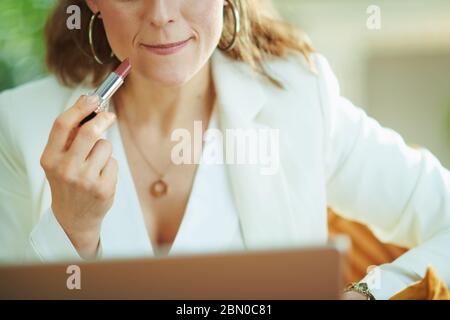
162 93
353 296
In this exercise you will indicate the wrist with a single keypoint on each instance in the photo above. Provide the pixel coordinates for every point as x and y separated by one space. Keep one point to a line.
353 295
85 240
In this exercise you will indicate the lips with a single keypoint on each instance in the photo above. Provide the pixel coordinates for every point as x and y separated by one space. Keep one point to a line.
167 48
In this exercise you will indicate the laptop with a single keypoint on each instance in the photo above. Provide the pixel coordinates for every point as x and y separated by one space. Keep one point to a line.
314 272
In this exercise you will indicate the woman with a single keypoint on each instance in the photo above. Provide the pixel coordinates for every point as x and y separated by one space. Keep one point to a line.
230 65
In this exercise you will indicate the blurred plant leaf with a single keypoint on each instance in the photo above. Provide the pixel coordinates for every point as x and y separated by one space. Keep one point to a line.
21 40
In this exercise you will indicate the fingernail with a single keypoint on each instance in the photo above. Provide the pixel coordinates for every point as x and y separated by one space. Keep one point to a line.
93 100
99 109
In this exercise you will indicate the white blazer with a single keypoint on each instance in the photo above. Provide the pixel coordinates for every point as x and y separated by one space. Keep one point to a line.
331 154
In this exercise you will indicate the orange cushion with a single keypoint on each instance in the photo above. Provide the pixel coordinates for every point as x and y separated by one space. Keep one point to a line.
429 288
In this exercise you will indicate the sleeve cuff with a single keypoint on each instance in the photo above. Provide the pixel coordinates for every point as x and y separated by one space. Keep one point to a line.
384 283
51 243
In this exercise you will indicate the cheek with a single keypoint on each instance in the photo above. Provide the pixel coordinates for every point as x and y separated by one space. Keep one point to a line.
120 30
205 19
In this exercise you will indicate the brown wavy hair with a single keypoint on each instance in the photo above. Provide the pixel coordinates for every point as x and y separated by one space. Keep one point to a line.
262 35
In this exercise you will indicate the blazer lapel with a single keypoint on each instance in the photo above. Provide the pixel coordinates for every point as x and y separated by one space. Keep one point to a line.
262 201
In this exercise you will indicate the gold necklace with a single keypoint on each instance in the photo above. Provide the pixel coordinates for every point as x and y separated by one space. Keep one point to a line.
159 187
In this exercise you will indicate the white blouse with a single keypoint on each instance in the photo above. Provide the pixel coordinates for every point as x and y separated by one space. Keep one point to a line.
210 222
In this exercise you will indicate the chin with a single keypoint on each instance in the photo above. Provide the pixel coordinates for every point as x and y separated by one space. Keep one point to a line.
172 78
168 76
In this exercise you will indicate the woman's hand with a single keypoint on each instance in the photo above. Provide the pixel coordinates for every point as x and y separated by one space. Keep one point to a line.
352 295
81 172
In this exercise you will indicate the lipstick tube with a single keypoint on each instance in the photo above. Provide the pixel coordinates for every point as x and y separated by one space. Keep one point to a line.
108 87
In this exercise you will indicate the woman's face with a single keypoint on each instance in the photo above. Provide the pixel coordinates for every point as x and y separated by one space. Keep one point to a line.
167 41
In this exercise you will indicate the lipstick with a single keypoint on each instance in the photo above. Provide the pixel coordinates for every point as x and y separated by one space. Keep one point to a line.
167 49
107 89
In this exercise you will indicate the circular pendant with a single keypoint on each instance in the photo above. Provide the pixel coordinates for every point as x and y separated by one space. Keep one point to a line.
158 188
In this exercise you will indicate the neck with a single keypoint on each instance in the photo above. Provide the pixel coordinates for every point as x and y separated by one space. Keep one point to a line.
143 102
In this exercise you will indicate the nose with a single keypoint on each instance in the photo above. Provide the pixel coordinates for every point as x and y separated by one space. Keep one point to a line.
159 13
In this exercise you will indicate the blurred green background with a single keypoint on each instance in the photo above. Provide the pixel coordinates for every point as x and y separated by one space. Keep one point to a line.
400 74
21 42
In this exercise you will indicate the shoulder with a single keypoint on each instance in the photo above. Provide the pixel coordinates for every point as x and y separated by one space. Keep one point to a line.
302 77
41 95
295 65
33 103
28 111
307 79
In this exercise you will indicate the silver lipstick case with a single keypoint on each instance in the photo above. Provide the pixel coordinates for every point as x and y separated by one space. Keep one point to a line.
106 91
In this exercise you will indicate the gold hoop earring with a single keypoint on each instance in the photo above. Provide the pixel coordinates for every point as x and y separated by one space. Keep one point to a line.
237 26
91 42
